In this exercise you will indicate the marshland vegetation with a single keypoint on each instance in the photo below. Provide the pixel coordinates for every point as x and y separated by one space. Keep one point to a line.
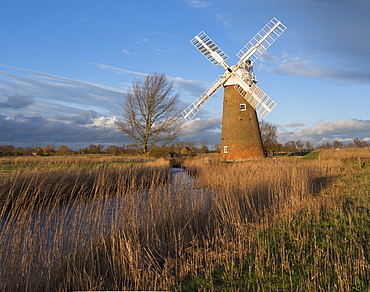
83 223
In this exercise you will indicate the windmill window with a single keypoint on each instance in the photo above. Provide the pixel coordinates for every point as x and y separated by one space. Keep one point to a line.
226 149
243 107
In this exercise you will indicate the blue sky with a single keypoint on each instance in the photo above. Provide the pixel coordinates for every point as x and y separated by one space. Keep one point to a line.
65 65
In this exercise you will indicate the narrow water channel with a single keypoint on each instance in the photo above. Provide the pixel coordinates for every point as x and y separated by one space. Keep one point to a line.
45 237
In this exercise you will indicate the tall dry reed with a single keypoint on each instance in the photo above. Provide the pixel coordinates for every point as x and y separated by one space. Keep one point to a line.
347 153
151 236
48 213
188 231
70 159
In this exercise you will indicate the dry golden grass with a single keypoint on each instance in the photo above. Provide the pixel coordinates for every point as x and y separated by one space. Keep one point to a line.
346 153
91 158
132 232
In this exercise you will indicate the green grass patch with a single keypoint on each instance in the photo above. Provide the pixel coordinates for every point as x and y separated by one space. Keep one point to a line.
311 155
319 250
11 167
91 165
328 251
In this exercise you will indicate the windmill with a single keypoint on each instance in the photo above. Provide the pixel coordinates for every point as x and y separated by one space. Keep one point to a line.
243 99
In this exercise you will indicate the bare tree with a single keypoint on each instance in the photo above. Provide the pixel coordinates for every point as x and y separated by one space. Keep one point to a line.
268 135
150 115
359 143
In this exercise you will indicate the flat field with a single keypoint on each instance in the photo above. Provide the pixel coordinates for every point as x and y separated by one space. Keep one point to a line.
108 223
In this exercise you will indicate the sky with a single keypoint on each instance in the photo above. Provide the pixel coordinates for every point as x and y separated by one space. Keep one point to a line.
65 66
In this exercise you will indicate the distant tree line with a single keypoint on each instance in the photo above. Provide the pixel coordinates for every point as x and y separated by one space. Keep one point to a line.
356 143
271 146
192 148
268 134
274 148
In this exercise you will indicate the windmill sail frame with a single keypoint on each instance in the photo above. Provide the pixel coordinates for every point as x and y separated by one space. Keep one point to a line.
260 101
209 49
197 104
261 41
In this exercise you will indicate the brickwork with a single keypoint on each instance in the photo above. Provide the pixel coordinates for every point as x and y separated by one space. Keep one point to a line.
240 130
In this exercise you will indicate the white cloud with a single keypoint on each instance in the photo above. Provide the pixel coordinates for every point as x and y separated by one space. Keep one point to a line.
22 130
105 122
344 130
208 129
196 3
224 19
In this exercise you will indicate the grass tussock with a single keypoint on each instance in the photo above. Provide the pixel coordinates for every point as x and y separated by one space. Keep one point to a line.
270 225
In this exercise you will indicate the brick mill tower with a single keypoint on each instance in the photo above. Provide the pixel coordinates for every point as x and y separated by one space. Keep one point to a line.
240 137
243 99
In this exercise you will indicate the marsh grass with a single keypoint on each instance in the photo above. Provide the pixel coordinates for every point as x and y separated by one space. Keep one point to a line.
316 237
270 225
70 159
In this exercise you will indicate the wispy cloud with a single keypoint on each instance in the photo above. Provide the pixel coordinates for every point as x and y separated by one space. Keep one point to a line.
64 44
189 87
117 70
150 34
142 39
59 89
294 125
162 51
57 110
161 33
127 52
49 109
196 3
224 19
310 67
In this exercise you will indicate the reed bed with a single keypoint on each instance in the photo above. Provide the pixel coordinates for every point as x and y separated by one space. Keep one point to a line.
41 187
69 159
295 225
347 153
265 225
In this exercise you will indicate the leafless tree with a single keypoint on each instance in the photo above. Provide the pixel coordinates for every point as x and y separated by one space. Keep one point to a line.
150 115
268 135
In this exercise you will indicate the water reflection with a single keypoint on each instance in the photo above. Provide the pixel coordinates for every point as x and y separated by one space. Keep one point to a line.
48 236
